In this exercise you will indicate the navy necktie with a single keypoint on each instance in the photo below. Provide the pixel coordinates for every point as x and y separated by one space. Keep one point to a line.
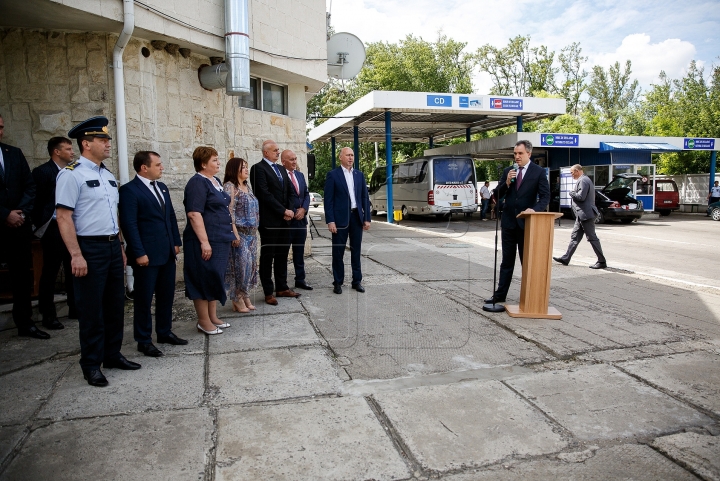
277 171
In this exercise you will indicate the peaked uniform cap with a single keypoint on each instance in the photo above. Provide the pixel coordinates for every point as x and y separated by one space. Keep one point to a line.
94 126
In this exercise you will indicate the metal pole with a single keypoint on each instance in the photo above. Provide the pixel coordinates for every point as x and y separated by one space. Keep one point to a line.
332 149
388 161
713 166
519 123
377 157
431 142
467 134
356 146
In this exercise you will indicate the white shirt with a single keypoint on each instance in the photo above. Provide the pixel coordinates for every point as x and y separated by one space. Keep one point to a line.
350 185
485 191
715 191
150 187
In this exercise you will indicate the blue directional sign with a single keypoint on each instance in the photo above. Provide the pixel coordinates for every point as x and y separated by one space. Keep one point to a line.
699 144
506 104
464 102
560 140
439 100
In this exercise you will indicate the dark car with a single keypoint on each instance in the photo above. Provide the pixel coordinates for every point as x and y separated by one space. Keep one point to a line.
614 202
713 210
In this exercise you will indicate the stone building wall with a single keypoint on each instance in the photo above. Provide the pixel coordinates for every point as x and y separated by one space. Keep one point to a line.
50 81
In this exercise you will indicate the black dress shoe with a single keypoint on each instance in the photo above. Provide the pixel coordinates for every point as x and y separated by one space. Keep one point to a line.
95 378
494 300
150 350
561 260
52 324
171 339
33 332
599 265
359 288
303 285
121 363
337 289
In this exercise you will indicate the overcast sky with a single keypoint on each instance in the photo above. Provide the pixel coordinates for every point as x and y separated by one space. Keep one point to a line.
655 35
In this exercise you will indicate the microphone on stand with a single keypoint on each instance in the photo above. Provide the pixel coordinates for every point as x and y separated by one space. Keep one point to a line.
515 167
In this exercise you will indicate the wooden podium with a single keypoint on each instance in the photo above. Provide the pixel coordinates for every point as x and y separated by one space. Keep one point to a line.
536 268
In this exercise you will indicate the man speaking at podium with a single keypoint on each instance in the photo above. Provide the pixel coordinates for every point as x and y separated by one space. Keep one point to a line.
524 188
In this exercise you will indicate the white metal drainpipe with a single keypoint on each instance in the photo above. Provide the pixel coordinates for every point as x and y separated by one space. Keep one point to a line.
120 119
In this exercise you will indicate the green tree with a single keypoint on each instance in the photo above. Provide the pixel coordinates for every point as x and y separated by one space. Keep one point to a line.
572 85
611 94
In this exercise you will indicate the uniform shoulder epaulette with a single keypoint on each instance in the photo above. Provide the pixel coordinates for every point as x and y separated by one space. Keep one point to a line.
72 165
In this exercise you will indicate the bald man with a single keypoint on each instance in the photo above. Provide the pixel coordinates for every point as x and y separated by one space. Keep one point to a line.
299 203
271 185
347 213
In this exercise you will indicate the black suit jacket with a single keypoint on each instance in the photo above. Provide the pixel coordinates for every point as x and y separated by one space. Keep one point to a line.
45 182
17 189
301 200
534 193
273 197
147 231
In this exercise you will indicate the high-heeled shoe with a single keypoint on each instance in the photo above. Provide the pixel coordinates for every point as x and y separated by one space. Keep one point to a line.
248 304
237 307
223 325
217 330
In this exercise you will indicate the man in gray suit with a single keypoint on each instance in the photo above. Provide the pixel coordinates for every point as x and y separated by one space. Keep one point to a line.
583 205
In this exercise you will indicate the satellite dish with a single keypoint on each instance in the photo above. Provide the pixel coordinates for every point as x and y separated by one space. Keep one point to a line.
346 55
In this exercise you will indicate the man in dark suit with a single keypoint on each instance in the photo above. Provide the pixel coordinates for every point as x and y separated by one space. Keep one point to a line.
583 205
17 194
271 185
55 253
524 190
149 226
299 203
347 213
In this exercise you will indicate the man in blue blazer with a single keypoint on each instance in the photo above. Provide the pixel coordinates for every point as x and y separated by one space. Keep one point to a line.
347 213
299 203
524 190
149 226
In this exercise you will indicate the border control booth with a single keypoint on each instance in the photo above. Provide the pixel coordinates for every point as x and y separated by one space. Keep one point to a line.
602 156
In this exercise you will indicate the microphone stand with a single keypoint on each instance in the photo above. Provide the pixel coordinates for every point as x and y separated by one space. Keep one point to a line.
495 307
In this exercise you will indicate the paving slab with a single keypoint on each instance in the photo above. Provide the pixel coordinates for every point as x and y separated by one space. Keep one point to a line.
170 382
484 423
24 391
628 462
159 445
261 332
182 327
399 329
14 350
339 439
694 376
600 402
9 437
700 453
244 377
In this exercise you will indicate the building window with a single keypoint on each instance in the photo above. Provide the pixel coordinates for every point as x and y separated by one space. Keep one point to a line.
250 101
273 98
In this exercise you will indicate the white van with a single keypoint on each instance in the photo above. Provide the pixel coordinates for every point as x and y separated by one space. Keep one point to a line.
436 185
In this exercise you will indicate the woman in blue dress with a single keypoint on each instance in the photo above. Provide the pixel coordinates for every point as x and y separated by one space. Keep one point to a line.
242 272
207 239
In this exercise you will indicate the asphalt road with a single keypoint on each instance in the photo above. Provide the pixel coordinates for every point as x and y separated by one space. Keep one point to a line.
680 247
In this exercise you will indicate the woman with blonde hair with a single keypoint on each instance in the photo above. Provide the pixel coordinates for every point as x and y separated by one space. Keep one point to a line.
242 272
207 239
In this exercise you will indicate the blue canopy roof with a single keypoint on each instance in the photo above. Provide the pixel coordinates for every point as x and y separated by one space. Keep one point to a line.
637 146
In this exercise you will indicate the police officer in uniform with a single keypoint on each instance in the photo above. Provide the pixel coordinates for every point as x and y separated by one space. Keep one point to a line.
86 200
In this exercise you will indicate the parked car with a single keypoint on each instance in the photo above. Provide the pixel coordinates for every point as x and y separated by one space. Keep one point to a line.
667 196
315 199
713 210
614 202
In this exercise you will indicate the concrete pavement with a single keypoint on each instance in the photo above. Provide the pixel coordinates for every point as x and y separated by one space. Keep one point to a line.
410 380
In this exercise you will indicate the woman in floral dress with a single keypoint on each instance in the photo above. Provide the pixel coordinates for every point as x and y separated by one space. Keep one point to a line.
242 271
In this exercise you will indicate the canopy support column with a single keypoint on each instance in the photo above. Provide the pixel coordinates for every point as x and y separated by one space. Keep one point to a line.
467 134
519 123
356 146
713 166
333 153
388 161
